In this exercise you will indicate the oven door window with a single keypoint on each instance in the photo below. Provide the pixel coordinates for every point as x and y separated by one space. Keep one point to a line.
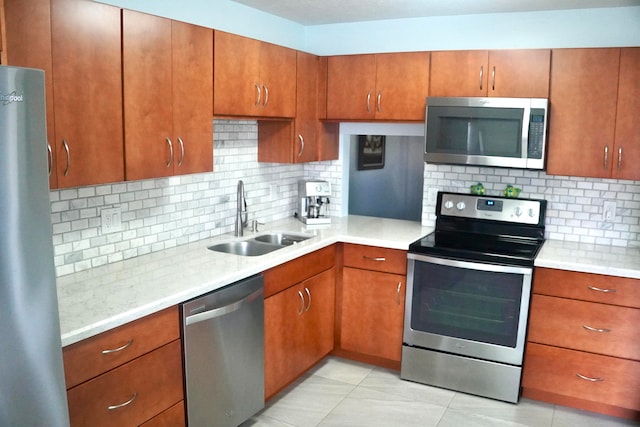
464 303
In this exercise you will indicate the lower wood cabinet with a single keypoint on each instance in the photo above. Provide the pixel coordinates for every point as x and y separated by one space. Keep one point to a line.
583 344
299 311
128 376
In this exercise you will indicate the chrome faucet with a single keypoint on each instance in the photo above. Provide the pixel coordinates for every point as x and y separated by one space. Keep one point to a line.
241 207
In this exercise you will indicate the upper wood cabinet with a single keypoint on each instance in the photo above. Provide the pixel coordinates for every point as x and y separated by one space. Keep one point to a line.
502 73
626 153
305 138
168 96
26 47
388 86
253 78
87 83
584 96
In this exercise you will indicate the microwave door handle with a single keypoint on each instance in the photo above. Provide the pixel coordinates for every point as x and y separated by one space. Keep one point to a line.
480 144
525 132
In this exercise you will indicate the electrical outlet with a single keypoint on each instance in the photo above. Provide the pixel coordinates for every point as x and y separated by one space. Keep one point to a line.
609 211
111 220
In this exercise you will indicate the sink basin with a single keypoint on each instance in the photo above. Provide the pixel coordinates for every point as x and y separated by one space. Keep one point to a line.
282 239
245 248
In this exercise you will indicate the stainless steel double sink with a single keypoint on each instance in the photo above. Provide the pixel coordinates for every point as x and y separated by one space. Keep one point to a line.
260 245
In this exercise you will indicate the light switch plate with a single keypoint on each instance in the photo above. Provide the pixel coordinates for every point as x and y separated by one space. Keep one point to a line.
609 211
111 220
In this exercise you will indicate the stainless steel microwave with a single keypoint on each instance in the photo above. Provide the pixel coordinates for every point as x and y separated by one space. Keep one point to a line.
502 132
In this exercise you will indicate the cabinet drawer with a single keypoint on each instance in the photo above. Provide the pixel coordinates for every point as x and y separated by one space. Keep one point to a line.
555 370
295 271
580 325
375 258
86 359
588 287
172 417
155 380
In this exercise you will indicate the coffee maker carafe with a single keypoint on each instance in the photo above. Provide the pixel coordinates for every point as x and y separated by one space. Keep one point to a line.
314 198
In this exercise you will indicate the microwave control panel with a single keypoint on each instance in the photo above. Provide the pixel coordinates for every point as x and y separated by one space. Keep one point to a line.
514 210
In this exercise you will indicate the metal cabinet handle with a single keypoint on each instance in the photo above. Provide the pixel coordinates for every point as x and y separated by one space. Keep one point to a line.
115 350
259 93
583 377
66 149
301 303
266 95
181 151
590 328
374 259
606 156
120 405
493 78
170 152
398 292
619 158
309 295
50 152
594 288
369 102
301 145
379 101
481 75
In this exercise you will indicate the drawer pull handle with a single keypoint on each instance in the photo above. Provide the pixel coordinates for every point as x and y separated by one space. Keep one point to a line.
590 328
115 350
594 380
128 402
374 259
309 295
595 288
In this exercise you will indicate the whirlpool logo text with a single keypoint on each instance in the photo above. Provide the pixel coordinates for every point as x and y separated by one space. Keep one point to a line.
6 99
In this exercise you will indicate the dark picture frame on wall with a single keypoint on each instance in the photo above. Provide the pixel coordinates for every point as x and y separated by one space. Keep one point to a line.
371 151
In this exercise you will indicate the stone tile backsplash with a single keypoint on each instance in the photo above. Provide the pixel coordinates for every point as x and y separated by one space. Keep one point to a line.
161 213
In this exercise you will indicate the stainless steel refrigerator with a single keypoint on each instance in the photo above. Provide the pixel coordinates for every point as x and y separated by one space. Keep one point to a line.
32 387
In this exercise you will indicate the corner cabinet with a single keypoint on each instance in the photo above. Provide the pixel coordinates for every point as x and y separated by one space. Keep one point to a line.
387 86
299 312
168 96
501 73
371 304
253 78
583 344
594 125
305 138
131 375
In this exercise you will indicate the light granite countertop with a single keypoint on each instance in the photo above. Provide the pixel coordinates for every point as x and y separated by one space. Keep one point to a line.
590 258
102 298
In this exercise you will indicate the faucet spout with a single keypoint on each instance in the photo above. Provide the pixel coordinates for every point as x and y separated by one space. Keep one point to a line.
241 207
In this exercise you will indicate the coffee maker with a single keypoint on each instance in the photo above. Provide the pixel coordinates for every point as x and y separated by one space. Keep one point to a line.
314 198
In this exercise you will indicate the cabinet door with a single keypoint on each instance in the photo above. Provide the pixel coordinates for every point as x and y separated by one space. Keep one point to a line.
584 87
192 63
305 146
148 113
459 73
402 85
278 81
351 87
28 44
372 313
519 73
87 70
627 139
236 75
283 338
319 316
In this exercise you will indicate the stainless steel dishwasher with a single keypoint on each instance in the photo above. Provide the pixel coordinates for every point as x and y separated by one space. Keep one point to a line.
224 354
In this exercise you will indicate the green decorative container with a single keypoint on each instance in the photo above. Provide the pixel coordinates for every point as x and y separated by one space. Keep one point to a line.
478 189
512 191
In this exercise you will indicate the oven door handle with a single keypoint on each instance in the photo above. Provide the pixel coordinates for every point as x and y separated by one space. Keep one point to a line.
471 265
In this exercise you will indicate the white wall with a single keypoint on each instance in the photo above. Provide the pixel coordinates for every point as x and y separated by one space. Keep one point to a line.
602 27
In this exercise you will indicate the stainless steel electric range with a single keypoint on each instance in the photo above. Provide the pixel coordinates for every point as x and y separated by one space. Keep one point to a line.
468 294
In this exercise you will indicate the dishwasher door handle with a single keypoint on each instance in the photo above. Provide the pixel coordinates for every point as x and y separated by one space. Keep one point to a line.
221 311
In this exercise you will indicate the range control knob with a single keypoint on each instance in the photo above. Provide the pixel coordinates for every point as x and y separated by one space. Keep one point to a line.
532 213
460 206
448 204
518 211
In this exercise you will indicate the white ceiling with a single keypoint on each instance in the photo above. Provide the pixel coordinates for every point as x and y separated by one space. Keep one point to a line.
318 12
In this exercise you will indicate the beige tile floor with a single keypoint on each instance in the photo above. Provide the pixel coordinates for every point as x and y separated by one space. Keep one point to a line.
339 392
